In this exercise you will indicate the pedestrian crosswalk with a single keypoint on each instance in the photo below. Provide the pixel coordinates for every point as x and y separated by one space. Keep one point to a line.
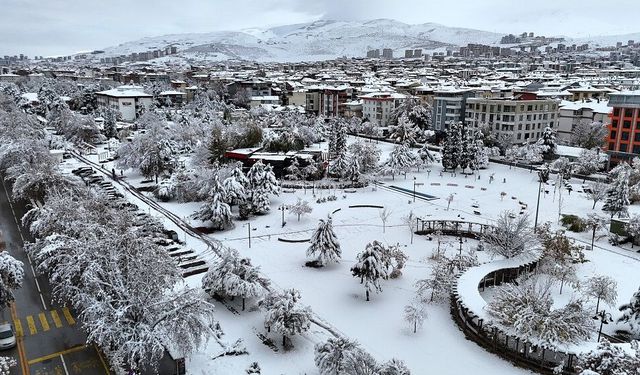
42 322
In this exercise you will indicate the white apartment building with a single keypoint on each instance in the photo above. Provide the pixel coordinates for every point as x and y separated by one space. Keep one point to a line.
523 116
573 113
125 99
377 106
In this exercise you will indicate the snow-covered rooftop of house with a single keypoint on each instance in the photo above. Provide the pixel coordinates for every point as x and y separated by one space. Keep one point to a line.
125 92
265 98
600 107
30 96
383 95
172 92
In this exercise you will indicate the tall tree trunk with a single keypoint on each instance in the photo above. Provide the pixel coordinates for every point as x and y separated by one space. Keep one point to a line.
243 299
367 293
284 340
415 326
598 305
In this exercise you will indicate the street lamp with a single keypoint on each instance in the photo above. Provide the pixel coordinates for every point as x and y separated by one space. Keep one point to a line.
604 318
414 187
283 208
460 246
543 176
249 232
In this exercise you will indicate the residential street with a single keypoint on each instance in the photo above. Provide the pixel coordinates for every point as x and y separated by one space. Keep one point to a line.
49 339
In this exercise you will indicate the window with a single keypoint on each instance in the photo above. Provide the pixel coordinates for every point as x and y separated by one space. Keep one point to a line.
526 127
624 136
636 149
636 137
519 136
613 134
626 124
520 127
616 111
623 148
628 112
611 146
522 108
529 108
614 124
535 117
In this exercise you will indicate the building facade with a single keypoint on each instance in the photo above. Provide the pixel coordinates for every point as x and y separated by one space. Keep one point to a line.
127 100
623 140
523 116
377 106
449 107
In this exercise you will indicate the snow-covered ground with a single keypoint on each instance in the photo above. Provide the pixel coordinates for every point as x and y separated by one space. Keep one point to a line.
338 298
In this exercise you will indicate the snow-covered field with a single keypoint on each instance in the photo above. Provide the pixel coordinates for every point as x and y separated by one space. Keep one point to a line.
338 298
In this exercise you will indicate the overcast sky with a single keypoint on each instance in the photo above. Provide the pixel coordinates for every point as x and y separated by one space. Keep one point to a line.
50 27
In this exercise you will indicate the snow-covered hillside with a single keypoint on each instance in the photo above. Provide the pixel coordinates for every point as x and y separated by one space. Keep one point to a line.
317 40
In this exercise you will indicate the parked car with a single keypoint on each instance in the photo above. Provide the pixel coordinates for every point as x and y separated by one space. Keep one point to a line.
7 337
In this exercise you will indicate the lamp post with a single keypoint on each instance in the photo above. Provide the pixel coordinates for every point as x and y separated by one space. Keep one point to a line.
249 233
414 188
460 246
283 208
604 318
543 176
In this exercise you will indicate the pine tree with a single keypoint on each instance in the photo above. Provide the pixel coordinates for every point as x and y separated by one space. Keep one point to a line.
617 198
233 276
324 244
452 147
353 170
339 166
293 170
548 142
330 356
394 367
217 211
631 311
286 315
371 267
401 160
261 184
234 190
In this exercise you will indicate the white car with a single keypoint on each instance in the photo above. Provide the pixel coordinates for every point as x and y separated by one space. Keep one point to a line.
7 338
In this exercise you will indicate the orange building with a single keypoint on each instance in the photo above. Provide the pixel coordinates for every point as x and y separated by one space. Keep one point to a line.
623 140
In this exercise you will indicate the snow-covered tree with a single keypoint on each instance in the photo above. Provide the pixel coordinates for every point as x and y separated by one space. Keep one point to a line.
401 160
510 236
452 147
526 307
261 184
415 314
609 359
367 155
589 162
234 190
601 288
293 170
589 134
427 156
324 244
595 222
353 169
330 355
286 315
631 311
394 367
300 208
371 267
548 142
359 362
597 191
404 131
254 368
233 276
617 198
339 167
216 211
152 153
11 275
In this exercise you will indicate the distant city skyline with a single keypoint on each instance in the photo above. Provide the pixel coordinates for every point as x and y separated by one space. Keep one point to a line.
56 27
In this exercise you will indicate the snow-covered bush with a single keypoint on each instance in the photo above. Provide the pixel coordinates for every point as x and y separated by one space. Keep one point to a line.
330 355
510 236
11 275
631 311
415 315
601 288
609 359
371 267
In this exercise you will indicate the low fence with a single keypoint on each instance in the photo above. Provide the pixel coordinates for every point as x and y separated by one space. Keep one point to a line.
468 309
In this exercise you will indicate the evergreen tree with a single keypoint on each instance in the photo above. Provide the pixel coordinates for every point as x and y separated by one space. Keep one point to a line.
353 169
330 355
394 367
452 146
286 315
216 211
617 198
293 170
261 184
371 267
548 141
324 244
631 311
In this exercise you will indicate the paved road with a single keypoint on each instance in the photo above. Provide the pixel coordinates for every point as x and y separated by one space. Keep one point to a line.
49 339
